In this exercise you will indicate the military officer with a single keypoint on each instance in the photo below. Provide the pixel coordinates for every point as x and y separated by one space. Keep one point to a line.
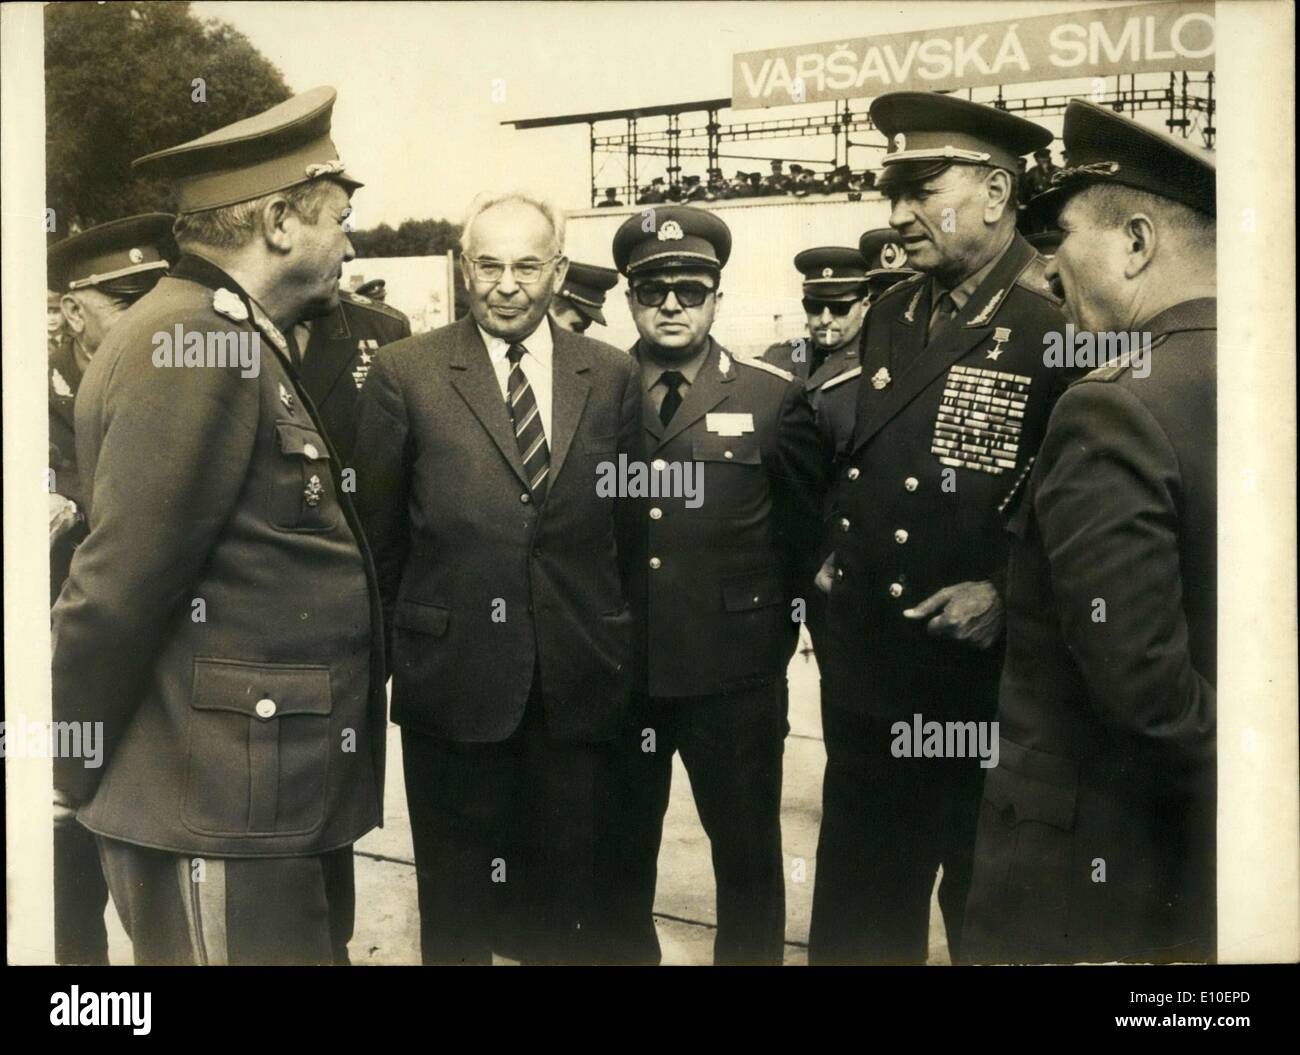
221 622
581 299
338 351
1097 828
96 275
834 300
726 557
951 405
833 385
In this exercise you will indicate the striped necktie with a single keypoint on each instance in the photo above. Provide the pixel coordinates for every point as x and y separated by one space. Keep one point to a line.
527 420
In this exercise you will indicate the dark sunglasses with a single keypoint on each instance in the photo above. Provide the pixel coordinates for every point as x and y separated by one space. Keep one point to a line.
838 308
688 294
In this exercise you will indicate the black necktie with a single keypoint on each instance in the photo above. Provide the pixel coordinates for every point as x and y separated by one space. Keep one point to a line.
672 380
944 309
527 420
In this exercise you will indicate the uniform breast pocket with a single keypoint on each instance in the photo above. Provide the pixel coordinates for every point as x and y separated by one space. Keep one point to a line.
259 748
731 480
302 494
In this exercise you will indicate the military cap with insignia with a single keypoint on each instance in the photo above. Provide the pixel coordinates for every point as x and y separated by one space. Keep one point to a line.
927 132
585 287
124 258
680 236
375 289
832 271
882 248
283 147
1106 148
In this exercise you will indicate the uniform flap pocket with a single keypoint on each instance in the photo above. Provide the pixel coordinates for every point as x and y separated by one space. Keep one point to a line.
423 618
1030 785
296 439
260 690
755 590
737 450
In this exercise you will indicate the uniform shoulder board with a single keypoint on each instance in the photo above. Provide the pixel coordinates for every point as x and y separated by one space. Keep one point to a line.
357 301
759 364
1109 372
1034 277
838 379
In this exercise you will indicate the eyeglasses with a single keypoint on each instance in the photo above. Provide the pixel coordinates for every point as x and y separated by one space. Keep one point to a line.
688 294
526 272
838 308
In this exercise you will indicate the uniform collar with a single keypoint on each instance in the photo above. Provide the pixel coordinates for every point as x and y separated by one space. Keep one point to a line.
652 371
1199 314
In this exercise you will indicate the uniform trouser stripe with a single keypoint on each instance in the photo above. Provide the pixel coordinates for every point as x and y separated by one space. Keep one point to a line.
203 893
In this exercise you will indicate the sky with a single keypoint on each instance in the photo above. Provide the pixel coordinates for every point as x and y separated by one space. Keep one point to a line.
421 84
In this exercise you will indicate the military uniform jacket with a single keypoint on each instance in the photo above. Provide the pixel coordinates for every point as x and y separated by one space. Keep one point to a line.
483 586
942 432
1108 725
64 380
338 357
833 389
222 617
795 356
721 578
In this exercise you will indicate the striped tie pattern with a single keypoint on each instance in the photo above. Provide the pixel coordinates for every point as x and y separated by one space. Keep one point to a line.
527 421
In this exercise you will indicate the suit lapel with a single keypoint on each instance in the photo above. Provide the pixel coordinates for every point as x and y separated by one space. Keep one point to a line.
328 354
965 332
473 377
570 365
708 390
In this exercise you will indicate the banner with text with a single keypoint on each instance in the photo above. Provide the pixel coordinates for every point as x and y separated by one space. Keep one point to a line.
1136 39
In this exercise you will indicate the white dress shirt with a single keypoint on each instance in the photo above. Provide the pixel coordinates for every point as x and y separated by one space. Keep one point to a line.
536 365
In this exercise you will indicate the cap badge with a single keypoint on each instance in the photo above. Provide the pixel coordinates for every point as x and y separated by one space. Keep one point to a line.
900 142
670 231
893 255
880 379
60 386
827 272
228 304
1000 337
324 168
286 397
135 256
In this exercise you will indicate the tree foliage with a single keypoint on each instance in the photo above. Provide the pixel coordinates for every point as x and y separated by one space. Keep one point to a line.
119 83
411 238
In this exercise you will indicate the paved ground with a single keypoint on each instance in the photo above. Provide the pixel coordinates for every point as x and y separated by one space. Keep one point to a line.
388 923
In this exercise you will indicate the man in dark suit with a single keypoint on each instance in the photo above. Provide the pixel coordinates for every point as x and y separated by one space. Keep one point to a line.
338 351
505 581
1097 828
952 401
727 562
221 623
98 274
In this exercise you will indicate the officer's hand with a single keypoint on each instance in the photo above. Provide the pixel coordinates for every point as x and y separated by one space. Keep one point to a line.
969 611
63 516
826 575
65 810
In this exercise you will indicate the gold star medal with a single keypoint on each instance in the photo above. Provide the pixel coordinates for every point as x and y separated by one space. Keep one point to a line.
1000 337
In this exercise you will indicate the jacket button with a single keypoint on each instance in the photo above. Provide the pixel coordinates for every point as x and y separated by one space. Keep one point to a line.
844 523
853 473
900 536
658 465
265 708
727 454
656 563
310 450
911 483
525 498
656 513
839 573
895 589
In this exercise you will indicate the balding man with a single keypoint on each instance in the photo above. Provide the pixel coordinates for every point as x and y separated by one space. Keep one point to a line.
1097 828
505 580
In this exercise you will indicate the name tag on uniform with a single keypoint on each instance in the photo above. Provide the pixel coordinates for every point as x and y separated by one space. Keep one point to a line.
729 424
